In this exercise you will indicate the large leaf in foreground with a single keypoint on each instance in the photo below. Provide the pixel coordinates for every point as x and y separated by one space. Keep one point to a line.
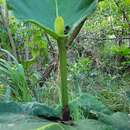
118 120
80 125
44 12
18 116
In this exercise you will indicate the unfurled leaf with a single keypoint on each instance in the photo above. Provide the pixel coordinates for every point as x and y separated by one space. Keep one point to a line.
45 12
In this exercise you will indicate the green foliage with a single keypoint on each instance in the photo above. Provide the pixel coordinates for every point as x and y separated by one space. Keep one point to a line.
105 73
17 110
2 91
116 99
12 74
86 104
83 65
127 2
2 1
122 51
117 120
53 10
123 54
37 47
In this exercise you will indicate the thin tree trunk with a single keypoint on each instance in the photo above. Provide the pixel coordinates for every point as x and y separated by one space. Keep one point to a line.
5 21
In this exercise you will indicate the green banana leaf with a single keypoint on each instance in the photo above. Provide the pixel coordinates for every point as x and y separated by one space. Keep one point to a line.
44 12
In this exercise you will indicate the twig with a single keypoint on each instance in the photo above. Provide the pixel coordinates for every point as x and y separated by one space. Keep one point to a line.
49 42
6 25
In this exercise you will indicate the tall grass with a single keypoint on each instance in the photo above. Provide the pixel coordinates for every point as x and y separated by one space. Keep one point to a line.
12 74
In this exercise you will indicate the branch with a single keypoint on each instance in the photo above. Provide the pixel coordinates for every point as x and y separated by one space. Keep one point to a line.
49 42
6 25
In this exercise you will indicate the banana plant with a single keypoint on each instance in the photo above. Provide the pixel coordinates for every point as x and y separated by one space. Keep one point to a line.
61 19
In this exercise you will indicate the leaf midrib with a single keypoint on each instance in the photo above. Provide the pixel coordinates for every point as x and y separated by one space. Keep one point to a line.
57 11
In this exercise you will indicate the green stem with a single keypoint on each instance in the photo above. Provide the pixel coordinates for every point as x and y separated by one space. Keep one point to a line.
63 78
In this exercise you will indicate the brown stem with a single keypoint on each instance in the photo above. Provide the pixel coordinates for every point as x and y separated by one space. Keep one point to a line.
66 113
6 25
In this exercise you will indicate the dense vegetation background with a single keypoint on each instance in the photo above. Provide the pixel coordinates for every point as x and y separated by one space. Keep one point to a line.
98 59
